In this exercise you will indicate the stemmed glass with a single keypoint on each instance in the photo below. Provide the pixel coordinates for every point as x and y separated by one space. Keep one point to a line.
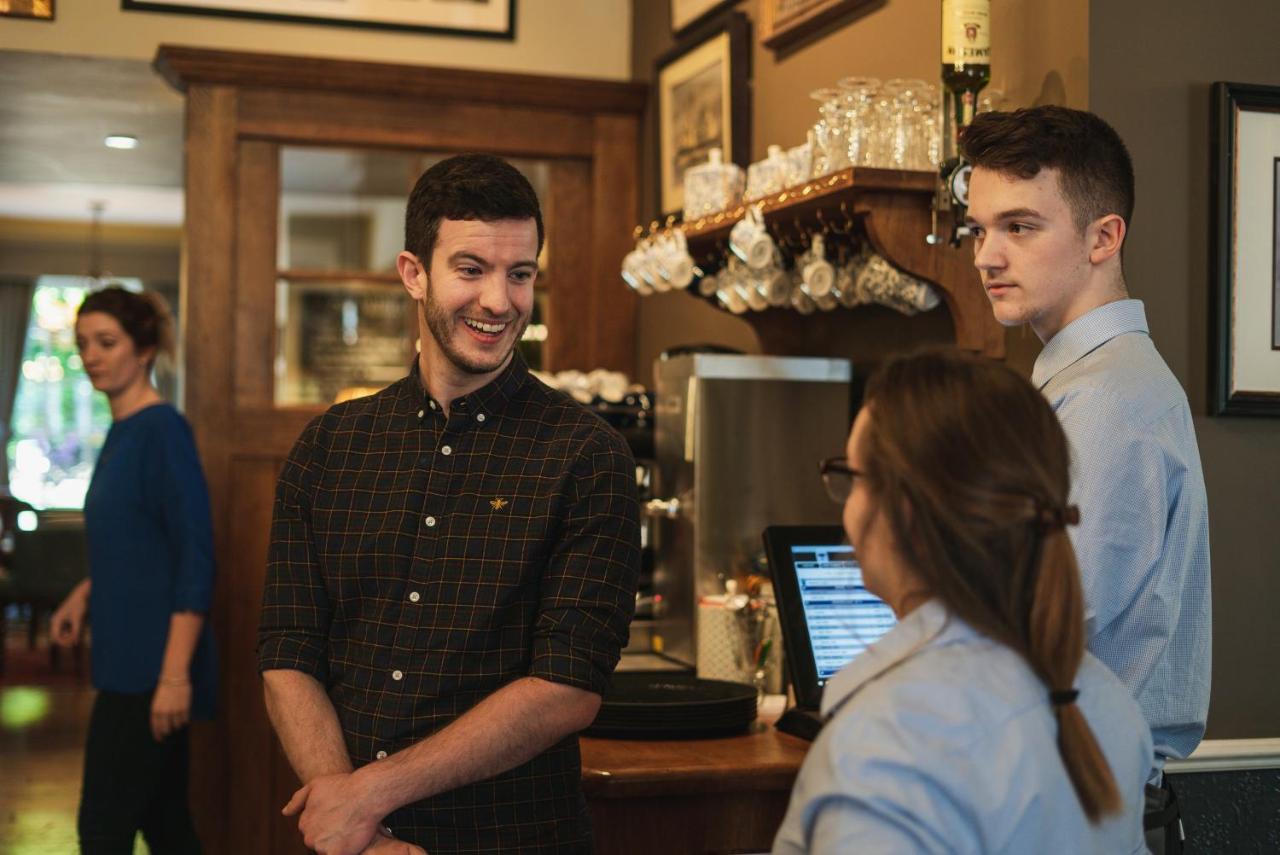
991 99
931 127
903 102
831 152
754 645
858 102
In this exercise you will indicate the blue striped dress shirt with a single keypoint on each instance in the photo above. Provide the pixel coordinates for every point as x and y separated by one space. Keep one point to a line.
1143 539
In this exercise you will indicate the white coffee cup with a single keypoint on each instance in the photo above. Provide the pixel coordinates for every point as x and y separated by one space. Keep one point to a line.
750 240
751 291
802 302
635 272
818 274
774 283
670 254
708 284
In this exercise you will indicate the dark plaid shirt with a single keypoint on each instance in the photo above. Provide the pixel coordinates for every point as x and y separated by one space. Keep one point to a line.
419 563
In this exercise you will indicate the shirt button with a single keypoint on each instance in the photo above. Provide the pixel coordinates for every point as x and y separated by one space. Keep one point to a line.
446 451
381 755
421 413
397 675
430 521
480 417
431 404
414 596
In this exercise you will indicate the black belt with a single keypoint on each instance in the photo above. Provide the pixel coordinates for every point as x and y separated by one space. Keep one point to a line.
1167 816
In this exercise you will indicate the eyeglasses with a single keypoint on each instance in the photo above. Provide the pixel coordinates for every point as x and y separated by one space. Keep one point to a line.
837 477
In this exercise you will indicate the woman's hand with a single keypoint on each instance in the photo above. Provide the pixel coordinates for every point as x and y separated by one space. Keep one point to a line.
170 706
68 621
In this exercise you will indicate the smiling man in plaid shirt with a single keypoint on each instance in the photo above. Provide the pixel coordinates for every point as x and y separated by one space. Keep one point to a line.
453 564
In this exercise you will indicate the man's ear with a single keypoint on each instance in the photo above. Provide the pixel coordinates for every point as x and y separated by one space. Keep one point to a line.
413 274
1106 237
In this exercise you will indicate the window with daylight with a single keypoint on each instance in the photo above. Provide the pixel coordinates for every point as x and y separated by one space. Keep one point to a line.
59 421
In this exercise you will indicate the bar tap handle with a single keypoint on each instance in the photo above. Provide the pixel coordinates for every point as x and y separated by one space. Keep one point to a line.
662 508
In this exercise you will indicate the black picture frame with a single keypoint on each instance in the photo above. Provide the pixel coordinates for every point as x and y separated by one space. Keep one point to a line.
1244 252
181 8
731 36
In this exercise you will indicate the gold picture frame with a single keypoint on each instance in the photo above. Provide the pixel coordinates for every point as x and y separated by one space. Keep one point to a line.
703 103
783 23
39 10
489 19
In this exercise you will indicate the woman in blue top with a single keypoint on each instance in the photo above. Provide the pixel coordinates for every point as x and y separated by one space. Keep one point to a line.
978 724
150 582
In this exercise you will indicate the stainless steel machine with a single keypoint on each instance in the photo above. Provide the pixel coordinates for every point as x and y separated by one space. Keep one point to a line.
738 442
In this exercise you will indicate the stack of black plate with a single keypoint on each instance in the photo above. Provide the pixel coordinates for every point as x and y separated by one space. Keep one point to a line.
673 706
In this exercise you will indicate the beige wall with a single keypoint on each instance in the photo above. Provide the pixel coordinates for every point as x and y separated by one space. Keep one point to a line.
1039 54
580 38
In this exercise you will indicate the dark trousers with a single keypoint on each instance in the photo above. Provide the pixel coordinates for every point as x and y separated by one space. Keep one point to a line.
1162 821
133 783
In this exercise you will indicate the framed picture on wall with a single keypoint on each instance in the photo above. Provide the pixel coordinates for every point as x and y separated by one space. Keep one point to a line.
783 23
686 13
40 10
492 19
1245 250
703 103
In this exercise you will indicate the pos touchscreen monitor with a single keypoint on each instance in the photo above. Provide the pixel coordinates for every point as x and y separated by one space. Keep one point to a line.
826 613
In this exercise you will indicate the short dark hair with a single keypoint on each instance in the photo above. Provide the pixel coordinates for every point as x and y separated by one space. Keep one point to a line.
1095 168
467 187
144 316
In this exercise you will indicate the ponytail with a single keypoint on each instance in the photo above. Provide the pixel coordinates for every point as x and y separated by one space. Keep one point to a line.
1055 649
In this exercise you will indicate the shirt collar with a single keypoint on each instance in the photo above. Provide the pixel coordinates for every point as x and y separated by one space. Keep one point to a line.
929 625
1086 334
492 397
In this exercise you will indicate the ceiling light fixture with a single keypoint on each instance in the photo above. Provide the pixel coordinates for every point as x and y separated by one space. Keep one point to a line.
121 141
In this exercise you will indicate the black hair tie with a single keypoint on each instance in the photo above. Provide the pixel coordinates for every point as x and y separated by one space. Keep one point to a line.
1062 697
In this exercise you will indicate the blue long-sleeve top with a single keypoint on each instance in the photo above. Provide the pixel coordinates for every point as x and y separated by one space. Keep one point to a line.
150 543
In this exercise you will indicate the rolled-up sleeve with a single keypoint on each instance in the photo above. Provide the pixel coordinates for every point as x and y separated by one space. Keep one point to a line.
294 627
588 592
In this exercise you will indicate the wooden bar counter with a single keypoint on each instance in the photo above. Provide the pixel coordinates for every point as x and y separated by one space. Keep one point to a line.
689 796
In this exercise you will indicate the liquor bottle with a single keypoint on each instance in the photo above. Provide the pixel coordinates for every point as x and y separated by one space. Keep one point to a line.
966 60
966 69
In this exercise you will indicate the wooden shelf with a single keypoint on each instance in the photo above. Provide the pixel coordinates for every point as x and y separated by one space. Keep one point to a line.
818 194
893 209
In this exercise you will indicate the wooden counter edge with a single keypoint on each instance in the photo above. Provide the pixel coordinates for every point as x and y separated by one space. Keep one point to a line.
680 767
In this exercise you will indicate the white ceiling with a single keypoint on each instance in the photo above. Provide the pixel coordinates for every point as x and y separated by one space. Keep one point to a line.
55 111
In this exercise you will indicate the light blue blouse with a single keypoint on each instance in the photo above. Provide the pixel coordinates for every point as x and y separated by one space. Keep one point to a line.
943 741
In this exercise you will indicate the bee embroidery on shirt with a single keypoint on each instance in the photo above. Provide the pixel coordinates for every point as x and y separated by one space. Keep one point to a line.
497 504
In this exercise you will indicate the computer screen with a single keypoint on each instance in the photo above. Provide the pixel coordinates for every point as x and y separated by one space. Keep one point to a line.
842 616
827 614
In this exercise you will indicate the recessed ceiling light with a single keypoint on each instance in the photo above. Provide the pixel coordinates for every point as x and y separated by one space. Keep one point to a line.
120 141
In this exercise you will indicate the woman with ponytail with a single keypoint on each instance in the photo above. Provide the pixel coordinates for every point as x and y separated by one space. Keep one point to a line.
150 545
978 723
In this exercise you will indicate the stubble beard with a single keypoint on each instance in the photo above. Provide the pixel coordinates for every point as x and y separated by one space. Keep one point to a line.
441 326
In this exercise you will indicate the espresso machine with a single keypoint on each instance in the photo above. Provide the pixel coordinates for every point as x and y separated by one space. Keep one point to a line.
738 440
